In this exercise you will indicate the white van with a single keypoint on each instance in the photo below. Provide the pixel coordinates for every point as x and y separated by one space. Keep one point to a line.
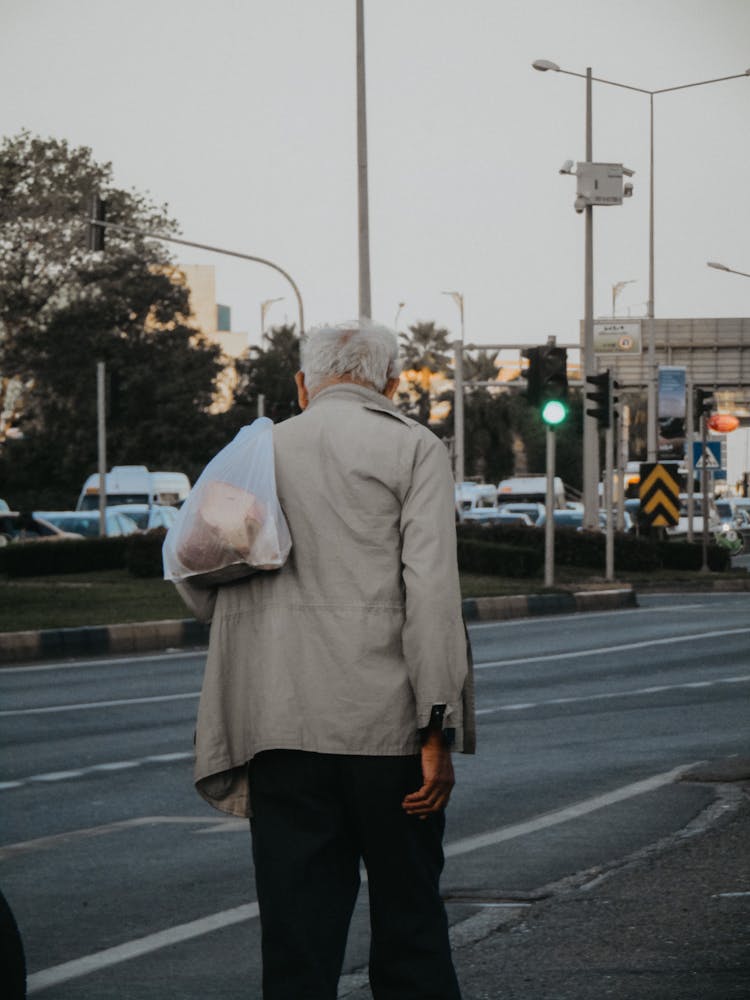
127 484
530 489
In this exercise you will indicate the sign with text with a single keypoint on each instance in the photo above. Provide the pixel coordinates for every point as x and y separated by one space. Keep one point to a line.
617 336
672 403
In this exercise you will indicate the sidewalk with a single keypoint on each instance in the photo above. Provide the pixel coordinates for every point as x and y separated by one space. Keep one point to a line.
673 924
141 637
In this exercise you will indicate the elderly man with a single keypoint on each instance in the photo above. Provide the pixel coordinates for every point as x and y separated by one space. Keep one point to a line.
336 687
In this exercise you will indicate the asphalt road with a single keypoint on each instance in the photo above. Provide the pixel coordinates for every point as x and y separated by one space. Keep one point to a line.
126 885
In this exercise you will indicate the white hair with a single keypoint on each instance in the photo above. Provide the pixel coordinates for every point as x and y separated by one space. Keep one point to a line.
363 351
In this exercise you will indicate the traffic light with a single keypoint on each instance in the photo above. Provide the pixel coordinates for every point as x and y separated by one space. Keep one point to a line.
601 397
533 375
704 402
97 213
547 378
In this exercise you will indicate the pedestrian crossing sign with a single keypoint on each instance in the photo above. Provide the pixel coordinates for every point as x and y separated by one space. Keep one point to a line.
711 457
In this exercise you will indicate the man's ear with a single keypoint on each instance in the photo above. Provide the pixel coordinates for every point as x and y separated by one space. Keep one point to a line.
390 387
303 397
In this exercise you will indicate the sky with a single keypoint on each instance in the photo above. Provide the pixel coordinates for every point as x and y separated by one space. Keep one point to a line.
241 116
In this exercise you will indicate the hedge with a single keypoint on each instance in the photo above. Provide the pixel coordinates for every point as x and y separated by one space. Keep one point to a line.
477 556
143 553
21 559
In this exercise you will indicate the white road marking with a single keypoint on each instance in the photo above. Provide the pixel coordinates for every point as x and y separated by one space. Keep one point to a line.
601 650
578 615
83 705
575 811
182 932
115 662
605 695
81 772
140 946
53 840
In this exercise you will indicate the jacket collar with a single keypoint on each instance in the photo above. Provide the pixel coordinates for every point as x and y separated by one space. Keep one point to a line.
371 399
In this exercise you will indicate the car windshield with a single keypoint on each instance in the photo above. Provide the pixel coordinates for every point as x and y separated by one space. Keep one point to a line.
91 500
82 524
139 516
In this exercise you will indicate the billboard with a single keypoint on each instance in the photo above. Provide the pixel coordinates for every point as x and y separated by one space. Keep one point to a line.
671 411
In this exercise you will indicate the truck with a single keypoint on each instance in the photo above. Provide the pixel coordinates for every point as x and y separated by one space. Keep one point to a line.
530 489
127 484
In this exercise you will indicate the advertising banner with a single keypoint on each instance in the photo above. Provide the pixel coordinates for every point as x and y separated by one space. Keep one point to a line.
672 404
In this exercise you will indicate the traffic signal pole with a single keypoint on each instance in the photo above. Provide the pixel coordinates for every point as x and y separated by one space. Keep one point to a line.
609 559
704 491
549 522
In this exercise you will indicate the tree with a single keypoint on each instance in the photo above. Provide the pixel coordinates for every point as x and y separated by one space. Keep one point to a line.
425 352
269 371
63 308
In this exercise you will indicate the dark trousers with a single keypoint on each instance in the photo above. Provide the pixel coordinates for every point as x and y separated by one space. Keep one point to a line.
314 817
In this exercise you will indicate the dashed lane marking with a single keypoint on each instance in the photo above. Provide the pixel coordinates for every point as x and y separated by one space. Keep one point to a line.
606 650
83 705
82 772
606 695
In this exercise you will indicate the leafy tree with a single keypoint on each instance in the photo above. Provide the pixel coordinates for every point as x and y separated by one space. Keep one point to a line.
425 352
269 370
62 309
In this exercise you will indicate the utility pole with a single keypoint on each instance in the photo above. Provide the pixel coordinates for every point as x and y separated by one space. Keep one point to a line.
101 422
365 307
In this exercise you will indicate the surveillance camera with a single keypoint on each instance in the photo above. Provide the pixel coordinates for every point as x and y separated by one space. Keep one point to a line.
627 190
567 167
628 172
579 204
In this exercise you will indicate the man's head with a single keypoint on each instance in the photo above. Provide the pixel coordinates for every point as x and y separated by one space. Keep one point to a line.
360 352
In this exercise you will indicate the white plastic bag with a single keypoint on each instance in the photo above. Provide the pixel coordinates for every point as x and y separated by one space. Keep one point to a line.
231 524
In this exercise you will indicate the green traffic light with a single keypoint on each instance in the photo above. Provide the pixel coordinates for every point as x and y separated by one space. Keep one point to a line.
554 412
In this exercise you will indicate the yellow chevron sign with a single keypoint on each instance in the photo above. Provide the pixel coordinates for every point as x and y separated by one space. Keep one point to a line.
660 493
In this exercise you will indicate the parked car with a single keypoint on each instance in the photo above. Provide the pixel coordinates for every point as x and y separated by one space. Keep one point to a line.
4 506
496 516
680 529
24 527
533 511
146 517
574 519
86 522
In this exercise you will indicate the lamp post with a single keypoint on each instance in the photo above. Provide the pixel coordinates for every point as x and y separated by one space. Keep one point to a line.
616 289
398 313
543 65
264 307
458 392
723 267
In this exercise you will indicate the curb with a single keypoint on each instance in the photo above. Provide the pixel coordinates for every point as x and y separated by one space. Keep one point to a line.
531 605
142 637
137 637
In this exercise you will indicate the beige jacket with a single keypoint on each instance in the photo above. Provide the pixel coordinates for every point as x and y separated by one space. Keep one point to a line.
347 647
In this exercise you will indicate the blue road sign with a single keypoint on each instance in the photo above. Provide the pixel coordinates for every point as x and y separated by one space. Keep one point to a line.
713 455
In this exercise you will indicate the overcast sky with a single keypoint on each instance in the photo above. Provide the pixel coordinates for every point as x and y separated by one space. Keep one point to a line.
240 114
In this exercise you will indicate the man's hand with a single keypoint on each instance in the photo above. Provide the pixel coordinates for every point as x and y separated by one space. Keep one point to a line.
438 779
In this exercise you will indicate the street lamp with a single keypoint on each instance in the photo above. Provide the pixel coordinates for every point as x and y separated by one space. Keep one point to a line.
458 392
398 313
723 267
616 289
543 65
264 307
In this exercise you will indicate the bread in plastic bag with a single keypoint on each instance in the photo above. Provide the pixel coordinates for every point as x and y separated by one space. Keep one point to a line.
231 524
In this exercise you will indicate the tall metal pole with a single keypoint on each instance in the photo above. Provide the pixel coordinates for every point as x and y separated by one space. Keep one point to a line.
365 307
652 373
609 556
690 460
458 408
549 523
590 426
101 424
704 491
